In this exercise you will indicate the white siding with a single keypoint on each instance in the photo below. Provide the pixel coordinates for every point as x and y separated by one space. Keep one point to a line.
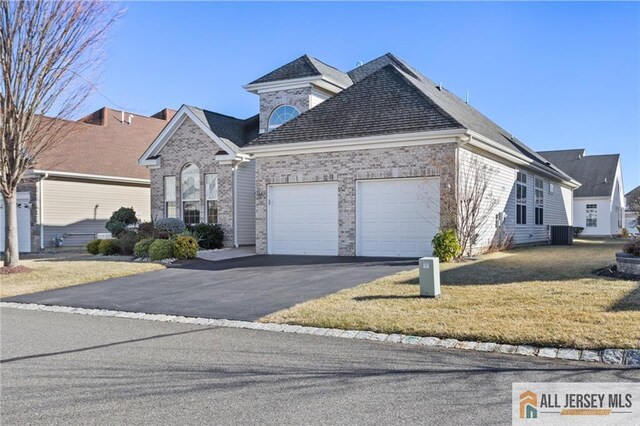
80 209
557 205
604 215
246 204
317 97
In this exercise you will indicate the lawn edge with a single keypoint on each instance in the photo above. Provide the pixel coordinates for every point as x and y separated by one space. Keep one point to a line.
626 357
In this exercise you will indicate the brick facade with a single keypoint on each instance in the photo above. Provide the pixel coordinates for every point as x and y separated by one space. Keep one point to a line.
346 168
298 98
189 144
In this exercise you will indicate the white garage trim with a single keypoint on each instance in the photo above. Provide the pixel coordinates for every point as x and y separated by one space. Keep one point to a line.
23 200
302 218
397 217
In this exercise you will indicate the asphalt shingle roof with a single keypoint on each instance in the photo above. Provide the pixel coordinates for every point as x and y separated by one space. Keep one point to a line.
305 66
633 196
385 102
234 129
596 173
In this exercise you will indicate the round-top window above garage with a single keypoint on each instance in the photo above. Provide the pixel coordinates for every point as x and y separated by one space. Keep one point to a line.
281 115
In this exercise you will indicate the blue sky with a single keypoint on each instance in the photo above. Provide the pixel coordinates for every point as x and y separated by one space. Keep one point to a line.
556 75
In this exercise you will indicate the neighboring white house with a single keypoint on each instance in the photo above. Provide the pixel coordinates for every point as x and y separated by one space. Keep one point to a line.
89 173
358 163
599 203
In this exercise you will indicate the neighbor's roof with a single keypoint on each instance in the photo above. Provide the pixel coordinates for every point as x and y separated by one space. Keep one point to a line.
633 195
391 97
596 173
236 130
305 66
101 144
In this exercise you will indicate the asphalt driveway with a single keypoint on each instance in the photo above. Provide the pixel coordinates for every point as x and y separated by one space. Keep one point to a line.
244 288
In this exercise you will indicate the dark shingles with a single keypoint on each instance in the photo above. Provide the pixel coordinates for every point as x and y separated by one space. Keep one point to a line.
633 196
385 102
234 129
596 173
305 66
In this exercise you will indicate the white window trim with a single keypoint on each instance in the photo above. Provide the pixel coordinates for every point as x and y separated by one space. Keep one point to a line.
535 206
517 203
166 200
270 126
207 199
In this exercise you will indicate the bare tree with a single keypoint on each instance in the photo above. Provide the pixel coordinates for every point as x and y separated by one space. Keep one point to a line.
48 52
475 201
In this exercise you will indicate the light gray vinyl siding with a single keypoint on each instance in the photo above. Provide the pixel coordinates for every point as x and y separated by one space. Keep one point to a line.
79 209
557 205
246 203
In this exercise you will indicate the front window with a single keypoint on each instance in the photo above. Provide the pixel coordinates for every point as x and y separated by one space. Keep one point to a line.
539 201
211 182
190 194
169 196
281 115
521 199
592 215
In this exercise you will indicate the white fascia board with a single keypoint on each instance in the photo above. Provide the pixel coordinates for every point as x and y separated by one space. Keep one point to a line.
592 198
121 179
237 158
515 157
352 144
295 83
171 128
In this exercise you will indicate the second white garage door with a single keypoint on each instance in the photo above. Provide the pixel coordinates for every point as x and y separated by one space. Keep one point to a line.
303 219
397 217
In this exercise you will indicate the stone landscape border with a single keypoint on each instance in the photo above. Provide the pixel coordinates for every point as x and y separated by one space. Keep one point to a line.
628 357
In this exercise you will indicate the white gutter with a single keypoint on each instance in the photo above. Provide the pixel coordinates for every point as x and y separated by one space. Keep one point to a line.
234 192
41 208
121 179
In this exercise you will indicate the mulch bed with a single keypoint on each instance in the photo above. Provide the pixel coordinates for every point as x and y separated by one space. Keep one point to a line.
6 270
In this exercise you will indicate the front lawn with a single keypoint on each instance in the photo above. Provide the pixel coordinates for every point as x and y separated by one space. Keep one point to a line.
58 272
543 295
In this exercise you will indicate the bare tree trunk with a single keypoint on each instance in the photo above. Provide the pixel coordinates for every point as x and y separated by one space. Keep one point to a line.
11 256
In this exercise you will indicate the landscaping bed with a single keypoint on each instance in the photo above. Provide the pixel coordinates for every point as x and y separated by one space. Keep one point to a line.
542 296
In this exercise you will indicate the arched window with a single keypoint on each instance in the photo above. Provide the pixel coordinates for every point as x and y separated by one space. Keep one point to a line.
281 115
190 190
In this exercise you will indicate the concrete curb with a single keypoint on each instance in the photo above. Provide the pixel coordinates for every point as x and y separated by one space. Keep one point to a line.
629 357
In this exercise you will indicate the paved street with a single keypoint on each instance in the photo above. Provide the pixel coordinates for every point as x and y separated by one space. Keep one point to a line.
244 288
72 369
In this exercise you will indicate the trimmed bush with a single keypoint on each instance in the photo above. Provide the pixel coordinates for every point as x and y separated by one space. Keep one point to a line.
170 225
120 219
141 249
109 247
577 230
93 246
185 247
211 235
128 240
445 245
161 249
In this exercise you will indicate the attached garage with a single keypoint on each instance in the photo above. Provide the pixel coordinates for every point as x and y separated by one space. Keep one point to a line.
303 218
24 222
397 217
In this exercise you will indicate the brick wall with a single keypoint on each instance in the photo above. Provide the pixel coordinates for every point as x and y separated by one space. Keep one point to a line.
298 98
189 144
347 167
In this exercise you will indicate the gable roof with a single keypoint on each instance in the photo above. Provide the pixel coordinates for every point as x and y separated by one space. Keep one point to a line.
596 173
391 97
101 144
229 133
236 130
633 196
305 66
383 103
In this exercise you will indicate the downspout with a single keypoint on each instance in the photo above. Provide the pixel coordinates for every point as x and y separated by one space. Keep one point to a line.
41 208
234 172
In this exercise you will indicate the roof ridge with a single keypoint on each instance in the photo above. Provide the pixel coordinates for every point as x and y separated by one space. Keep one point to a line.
220 114
309 61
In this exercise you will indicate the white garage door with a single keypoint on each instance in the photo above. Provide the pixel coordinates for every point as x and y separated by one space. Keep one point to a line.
24 223
397 217
303 219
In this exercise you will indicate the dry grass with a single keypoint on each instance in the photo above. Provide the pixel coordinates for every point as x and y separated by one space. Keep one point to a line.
535 295
52 273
